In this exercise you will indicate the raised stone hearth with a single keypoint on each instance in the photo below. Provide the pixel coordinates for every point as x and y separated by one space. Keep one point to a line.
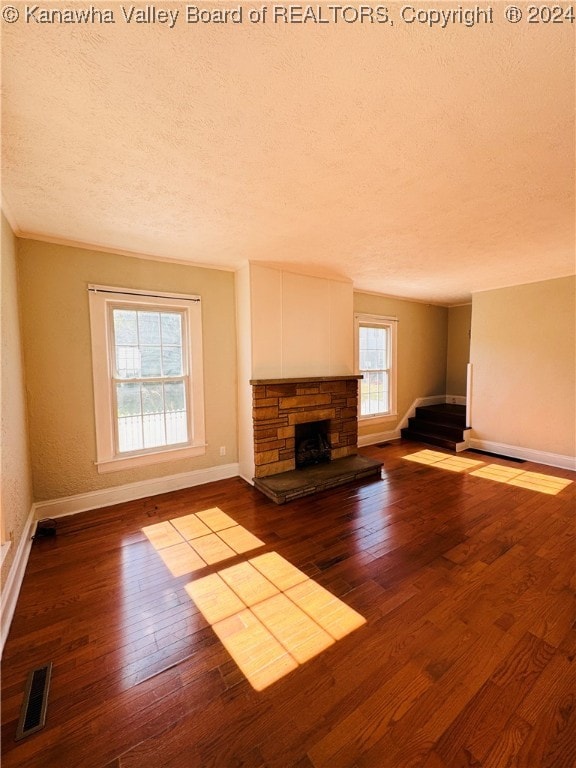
287 486
281 404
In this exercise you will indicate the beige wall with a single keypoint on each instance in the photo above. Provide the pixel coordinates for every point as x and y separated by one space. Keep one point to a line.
523 358
422 344
458 355
56 333
16 484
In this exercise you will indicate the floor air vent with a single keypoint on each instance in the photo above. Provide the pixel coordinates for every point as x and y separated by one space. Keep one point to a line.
33 712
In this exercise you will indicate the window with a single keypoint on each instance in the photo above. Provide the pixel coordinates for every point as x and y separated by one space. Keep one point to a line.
147 371
376 356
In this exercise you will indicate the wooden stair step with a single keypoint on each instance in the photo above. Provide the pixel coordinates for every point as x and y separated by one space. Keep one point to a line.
443 413
431 439
449 431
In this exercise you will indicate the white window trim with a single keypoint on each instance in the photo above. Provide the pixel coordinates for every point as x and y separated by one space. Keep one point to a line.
392 324
101 298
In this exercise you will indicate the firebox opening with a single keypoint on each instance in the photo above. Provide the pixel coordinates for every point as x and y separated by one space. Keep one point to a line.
312 443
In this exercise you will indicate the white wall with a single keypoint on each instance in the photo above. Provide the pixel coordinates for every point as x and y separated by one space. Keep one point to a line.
244 346
523 368
301 325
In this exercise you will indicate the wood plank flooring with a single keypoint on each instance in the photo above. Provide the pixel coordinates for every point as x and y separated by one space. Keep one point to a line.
467 657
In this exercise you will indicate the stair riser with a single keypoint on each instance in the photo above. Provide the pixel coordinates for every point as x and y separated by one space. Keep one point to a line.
441 417
442 430
443 442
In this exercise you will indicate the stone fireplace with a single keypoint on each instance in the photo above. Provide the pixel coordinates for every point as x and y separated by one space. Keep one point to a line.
279 405
306 435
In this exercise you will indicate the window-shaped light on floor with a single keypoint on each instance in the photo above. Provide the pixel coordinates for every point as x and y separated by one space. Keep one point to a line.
189 543
270 616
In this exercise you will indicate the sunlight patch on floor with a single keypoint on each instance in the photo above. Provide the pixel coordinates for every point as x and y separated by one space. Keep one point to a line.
187 544
212 549
215 519
426 457
533 481
181 559
278 570
497 473
214 598
162 535
270 616
536 481
257 653
240 539
457 464
443 460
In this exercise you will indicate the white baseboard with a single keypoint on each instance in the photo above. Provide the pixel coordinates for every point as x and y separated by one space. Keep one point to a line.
378 437
528 454
465 443
456 399
11 589
82 502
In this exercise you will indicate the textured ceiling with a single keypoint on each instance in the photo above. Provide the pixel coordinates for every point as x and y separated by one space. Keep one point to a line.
418 162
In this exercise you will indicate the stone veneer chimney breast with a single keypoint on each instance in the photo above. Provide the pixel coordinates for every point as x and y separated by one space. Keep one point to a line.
279 404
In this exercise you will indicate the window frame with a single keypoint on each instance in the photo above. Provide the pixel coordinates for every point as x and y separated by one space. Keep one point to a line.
103 300
362 320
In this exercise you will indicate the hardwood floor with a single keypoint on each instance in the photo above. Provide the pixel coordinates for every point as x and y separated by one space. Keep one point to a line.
467 657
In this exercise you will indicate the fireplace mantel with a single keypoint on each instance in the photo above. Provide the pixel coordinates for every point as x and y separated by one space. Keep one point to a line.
305 379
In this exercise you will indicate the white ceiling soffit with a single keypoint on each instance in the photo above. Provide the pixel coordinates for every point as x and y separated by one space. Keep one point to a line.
415 160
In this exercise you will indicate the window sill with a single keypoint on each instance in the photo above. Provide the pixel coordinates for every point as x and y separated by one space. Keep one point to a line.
378 418
146 459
